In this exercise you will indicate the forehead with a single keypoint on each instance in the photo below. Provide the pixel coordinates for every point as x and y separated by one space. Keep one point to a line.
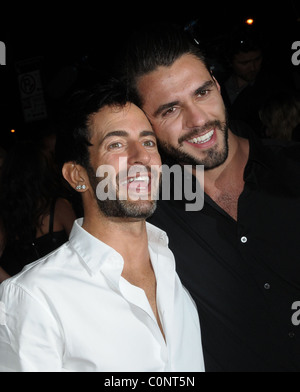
247 56
111 118
187 73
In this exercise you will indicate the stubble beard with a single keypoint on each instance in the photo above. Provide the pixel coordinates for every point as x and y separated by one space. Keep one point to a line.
214 157
126 209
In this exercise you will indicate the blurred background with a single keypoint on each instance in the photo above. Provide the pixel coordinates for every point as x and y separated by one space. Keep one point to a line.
53 48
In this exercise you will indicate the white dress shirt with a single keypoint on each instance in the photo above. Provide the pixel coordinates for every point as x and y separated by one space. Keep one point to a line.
73 311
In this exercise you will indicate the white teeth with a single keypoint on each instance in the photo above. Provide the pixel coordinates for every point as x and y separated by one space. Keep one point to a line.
137 179
202 139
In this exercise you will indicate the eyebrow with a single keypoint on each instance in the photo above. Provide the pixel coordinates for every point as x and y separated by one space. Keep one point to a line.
147 133
166 106
206 85
125 134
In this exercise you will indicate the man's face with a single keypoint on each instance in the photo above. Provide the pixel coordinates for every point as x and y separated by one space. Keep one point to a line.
123 140
184 104
247 65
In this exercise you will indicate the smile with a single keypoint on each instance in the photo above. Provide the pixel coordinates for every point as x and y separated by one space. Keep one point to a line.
138 180
203 139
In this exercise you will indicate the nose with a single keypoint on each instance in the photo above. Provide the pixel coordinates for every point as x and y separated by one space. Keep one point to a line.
195 116
138 154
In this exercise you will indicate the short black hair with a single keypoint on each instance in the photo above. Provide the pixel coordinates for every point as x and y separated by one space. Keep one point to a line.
74 139
154 46
244 39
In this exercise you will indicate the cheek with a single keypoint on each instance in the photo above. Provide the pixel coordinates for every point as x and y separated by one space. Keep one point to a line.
168 132
239 69
110 162
219 110
216 109
156 159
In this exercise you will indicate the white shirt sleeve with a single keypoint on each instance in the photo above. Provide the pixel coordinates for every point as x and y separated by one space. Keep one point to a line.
30 338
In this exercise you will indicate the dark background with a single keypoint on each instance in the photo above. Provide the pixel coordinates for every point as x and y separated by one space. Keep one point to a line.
75 42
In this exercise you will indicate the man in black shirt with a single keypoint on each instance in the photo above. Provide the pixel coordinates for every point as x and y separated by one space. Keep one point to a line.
239 255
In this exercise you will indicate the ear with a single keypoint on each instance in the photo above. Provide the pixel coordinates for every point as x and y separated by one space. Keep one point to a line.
76 176
217 84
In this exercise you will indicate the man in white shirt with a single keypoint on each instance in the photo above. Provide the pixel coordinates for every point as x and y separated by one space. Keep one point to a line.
109 299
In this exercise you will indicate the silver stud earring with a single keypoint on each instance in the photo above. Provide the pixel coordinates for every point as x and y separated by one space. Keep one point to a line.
81 187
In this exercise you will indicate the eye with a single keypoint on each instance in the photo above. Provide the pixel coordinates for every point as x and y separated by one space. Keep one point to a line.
115 146
149 143
203 93
169 111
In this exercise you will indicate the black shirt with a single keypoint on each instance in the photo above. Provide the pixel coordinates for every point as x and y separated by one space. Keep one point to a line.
17 254
245 276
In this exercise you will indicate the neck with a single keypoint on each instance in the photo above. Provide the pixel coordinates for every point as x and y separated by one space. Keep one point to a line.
232 170
127 236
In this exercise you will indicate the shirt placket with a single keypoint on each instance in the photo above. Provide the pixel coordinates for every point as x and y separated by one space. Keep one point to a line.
137 297
134 295
165 276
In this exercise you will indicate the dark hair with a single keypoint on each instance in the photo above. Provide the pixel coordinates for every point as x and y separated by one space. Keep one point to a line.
280 114
27 188
244 39
74 139
152 47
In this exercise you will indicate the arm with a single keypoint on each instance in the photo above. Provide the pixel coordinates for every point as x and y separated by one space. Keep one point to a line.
30 339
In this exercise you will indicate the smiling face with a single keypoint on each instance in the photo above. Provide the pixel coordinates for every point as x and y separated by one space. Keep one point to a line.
184 104
123 140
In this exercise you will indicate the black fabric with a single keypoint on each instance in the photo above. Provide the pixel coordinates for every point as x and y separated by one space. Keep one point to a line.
244 288
17 255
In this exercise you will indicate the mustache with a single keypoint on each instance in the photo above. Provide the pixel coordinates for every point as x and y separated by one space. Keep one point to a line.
137 169
199 130
142 170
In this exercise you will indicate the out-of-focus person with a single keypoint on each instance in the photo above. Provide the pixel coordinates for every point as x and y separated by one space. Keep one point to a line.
281 116
251 80
34 220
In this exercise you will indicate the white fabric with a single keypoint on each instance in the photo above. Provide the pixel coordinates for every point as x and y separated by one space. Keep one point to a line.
72 311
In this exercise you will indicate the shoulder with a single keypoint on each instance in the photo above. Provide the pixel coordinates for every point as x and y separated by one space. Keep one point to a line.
43 274
292 152
289 150
284 158
281 166
279 156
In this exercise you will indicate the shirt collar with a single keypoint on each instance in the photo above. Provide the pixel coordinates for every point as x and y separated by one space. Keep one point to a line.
95 255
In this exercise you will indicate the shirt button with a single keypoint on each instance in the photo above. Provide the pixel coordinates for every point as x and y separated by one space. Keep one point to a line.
267 286
291 335
244 240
